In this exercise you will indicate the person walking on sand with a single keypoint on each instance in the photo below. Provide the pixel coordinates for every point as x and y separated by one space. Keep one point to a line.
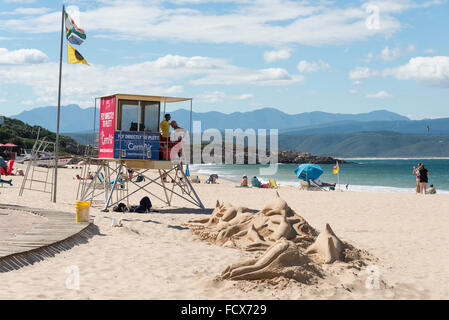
416 172
423 178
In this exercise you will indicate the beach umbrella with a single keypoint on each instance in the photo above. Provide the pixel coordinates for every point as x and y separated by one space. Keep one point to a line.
308 171
9 144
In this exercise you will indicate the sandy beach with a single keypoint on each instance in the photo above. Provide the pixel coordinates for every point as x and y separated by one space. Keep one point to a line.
155 256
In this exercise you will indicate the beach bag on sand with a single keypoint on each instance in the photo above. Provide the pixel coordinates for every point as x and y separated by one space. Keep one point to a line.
146 203
144 207
121 207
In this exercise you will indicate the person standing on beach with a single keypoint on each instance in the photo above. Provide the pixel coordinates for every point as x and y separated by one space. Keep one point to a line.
416 171
423 178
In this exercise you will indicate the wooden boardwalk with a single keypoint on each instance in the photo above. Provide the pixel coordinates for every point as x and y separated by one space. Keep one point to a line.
59 232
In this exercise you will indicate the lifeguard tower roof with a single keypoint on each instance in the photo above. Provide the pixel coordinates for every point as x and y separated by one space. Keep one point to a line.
148 98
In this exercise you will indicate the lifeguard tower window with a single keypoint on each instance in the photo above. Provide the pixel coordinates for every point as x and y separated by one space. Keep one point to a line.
151 117
138 116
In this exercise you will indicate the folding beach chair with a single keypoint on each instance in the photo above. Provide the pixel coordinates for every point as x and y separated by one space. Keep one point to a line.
310 186
272 183
316 186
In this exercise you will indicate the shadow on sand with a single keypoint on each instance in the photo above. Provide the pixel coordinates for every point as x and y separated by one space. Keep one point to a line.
20 260
185 210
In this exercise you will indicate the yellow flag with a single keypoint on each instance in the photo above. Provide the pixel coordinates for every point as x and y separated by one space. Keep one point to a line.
74 57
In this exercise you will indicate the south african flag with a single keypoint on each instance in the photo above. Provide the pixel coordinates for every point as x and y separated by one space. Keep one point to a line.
74 34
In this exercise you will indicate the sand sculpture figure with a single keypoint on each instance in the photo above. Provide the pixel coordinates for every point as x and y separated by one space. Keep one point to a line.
282 259
292 248
239 227
327 245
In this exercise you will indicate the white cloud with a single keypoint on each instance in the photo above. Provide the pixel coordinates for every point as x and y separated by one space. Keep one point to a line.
306 66
430 50
379 95
81 83
271 56
362 73
251 22
271 76
21 56
27 11
357 82
388 54
27 102
244 96
352 91
212 97
431 71
411 48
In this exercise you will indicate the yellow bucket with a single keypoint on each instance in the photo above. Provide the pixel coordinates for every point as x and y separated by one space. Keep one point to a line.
82 211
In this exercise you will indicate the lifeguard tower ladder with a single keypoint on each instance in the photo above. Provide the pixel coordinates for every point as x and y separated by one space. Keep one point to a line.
39 177
129 139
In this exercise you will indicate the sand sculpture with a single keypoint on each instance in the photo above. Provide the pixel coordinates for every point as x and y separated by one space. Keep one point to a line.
327 245
241 228
282 259
292 248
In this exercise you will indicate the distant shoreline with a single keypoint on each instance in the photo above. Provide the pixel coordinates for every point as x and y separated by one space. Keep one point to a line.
395 158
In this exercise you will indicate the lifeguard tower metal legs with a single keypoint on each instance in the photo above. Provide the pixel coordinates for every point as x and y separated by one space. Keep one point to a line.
181 186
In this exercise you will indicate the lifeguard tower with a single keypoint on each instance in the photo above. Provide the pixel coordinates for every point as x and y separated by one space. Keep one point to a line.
129 139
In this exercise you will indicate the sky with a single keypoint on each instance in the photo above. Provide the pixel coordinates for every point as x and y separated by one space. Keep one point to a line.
233 56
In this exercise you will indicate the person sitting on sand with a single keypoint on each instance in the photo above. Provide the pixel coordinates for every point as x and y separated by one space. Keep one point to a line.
431 190
4 166
257 184
244 182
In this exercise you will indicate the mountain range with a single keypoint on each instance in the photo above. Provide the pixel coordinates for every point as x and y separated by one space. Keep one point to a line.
77 120
378 133
368 144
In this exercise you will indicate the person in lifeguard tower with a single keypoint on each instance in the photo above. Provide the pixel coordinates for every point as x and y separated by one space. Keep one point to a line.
177 138
178 132
165 127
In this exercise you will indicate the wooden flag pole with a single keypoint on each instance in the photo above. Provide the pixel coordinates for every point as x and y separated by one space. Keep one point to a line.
55 174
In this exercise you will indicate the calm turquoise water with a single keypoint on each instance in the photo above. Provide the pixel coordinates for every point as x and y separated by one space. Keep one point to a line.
361 175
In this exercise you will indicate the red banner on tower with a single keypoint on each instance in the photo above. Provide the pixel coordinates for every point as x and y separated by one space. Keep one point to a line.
107 128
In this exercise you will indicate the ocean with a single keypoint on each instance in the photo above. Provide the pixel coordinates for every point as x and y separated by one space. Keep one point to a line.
369 175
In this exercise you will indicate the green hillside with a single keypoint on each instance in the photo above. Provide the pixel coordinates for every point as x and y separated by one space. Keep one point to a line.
24 135
368 144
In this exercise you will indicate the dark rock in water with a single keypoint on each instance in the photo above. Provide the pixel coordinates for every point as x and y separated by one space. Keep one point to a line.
251 156
288 156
